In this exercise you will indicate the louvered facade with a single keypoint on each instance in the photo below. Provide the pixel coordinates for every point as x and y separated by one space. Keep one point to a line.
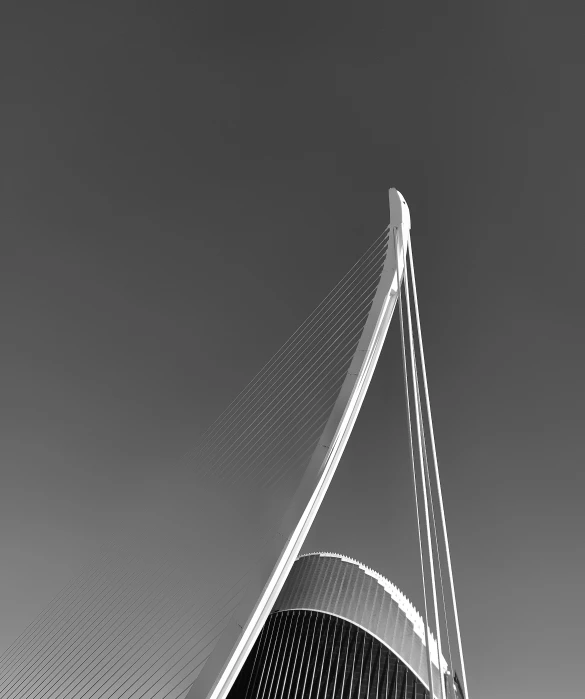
340 631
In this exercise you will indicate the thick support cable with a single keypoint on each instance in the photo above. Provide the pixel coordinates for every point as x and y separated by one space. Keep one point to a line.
427 486
439 566
438 479
420 435
411 447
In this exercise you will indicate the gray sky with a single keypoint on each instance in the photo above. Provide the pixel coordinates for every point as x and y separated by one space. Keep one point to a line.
182 186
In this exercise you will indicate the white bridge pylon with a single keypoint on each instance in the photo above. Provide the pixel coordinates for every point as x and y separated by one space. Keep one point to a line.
150 613
236 642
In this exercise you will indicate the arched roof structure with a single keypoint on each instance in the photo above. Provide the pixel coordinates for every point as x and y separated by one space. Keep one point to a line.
343 587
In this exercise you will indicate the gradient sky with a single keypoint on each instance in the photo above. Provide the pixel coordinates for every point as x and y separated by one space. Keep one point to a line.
182 183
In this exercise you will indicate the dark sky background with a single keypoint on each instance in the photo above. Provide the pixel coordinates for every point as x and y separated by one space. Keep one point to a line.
183 182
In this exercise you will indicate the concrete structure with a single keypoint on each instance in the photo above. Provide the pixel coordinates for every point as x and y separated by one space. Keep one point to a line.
340 630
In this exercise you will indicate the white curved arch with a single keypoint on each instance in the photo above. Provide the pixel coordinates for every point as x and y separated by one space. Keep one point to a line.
225 662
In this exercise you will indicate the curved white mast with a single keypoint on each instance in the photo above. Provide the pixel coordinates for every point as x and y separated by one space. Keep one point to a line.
236 642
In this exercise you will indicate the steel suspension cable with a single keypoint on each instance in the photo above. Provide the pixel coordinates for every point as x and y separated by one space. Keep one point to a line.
74 615
142 650
298 450
434 551
46 654
130 632
305 325
306 398
188 675
291 430
412 461
60 608
185 679
146 653
56 652
440 567
316 370
339 354
120 681
420 435
343 316
180 648
367 260
289 415
55 603
437 476
72 662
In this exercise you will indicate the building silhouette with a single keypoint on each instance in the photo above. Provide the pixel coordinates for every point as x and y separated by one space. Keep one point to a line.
339 630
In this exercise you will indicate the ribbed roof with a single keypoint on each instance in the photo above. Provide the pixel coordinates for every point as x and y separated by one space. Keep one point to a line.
404 604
